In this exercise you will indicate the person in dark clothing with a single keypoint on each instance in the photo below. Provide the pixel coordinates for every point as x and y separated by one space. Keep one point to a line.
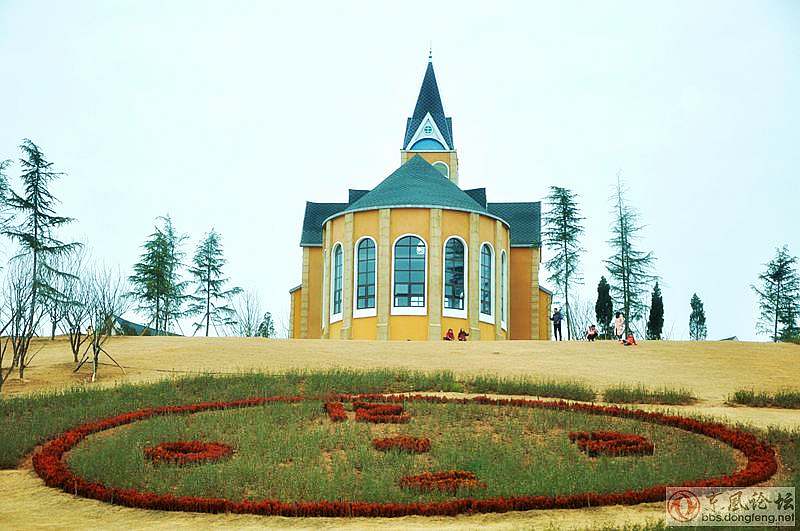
462 335
556 318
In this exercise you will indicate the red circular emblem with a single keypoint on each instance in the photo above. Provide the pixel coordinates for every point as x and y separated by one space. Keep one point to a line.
683 506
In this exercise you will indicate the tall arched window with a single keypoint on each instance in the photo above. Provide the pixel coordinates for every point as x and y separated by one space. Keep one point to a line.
454 277
365 274
486 279
336 281
409 273
503 289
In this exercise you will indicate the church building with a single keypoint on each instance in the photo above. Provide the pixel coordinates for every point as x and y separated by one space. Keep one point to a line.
417 255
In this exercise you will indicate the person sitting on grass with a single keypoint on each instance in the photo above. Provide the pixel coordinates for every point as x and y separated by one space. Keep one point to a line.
628 341
591 335
449 336
462 334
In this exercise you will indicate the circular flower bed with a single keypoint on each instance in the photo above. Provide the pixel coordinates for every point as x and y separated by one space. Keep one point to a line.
49 464
184 452
611 443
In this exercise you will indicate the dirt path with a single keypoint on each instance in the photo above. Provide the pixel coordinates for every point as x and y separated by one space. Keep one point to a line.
712 370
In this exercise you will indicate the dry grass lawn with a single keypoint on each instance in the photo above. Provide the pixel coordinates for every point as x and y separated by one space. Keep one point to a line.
712 370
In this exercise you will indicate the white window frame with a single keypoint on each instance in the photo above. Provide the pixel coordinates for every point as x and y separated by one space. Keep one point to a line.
364 312
336 317
438 163
410 310
451 312
504 289
487 318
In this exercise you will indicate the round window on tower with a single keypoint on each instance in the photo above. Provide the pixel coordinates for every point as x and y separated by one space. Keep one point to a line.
443 168
428 130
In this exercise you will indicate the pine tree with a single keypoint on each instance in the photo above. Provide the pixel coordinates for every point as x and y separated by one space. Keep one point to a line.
604 308
779 297
207 271
562 229
629 268
655 324
37 220
266 328
156 280
697 320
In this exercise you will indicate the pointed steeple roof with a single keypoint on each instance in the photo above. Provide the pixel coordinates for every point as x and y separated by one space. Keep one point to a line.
429 102
416 184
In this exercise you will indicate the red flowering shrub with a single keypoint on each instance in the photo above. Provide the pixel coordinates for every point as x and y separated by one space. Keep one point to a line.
403 442
336 411
380 413
761 465
448 481
611 443
183 452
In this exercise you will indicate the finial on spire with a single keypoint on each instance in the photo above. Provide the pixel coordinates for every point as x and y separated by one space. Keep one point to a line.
430 53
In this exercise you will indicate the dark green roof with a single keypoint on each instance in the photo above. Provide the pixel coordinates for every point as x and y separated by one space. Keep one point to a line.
416 184
524 221
316 214
478 194
429 101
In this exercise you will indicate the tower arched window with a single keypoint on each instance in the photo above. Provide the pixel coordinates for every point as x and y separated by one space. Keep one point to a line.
409 274
486 281
365 275
454 298
336 282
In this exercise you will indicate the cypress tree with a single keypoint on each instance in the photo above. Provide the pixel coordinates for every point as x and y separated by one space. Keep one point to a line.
604 308
655 325
697 319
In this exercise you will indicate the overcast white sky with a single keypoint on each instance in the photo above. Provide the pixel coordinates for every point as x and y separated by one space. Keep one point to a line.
232 114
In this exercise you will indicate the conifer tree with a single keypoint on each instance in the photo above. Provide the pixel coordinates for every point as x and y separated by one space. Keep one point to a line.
629 268
779 296
207 271
655 324
697 320
36 220
562 229
156 280
604 308
266 328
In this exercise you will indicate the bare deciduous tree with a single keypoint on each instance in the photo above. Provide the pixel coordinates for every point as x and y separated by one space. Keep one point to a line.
107 299
76 310
247 309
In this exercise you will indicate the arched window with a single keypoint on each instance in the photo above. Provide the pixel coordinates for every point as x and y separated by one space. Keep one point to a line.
486 279
454 276
336 281
443 168
503 289
409 273
365 274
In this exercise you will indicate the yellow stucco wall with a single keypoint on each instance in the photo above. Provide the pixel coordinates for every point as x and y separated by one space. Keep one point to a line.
314 293
520 279
473 229
408 327
295 301
365 328
545 300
